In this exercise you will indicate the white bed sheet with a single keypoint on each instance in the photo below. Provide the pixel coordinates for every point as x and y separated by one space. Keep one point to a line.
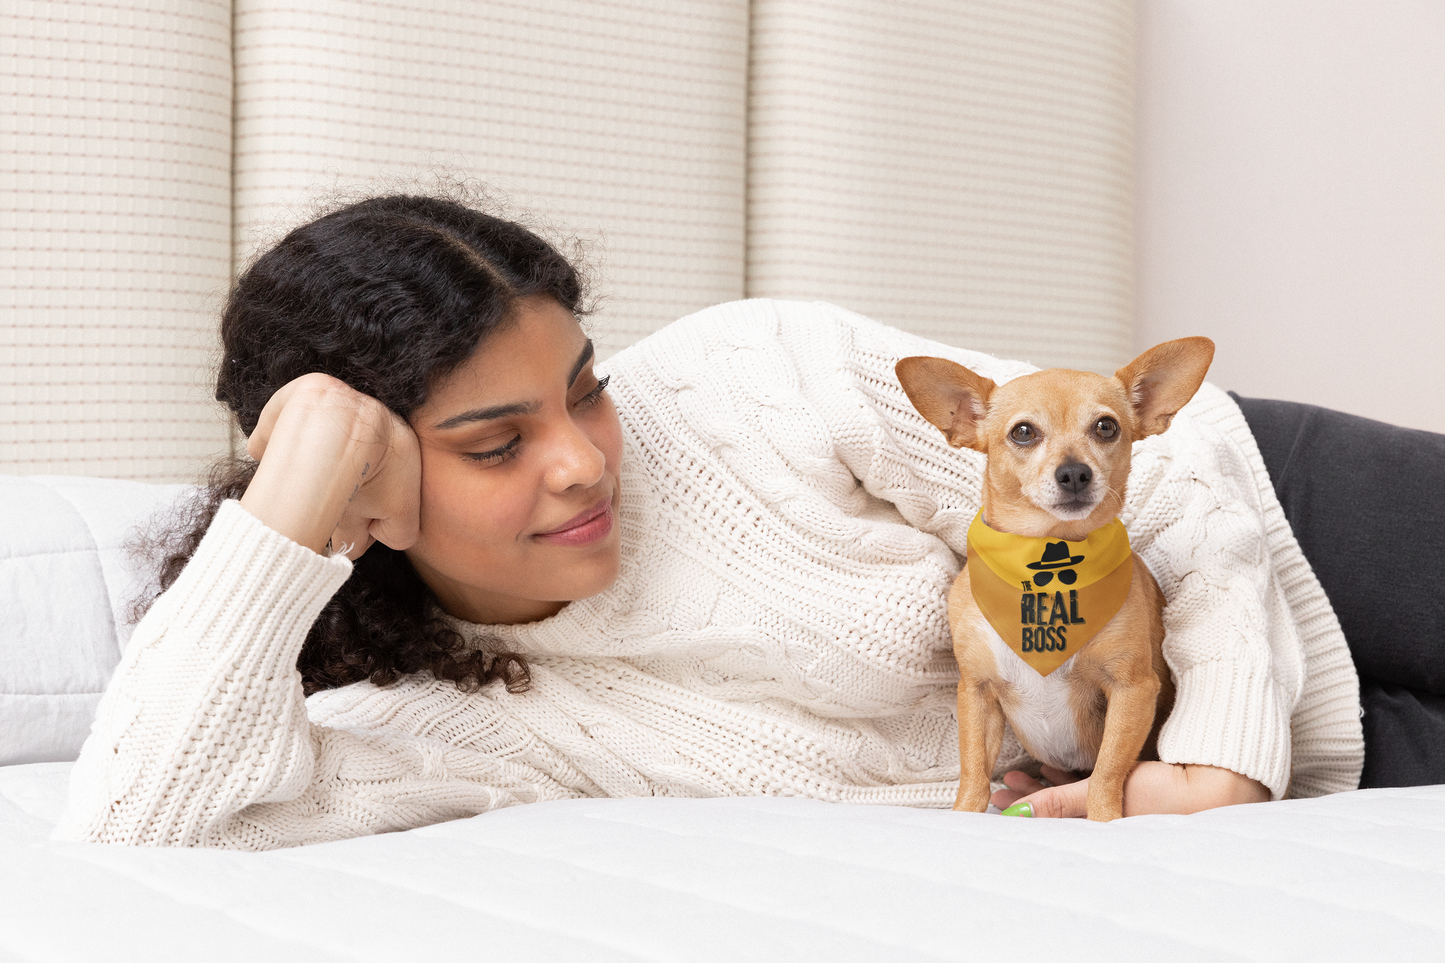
1358 876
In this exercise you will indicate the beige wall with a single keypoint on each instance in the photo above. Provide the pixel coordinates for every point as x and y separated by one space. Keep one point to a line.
1292 197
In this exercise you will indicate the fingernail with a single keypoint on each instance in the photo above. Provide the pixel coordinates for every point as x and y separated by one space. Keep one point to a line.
1020 809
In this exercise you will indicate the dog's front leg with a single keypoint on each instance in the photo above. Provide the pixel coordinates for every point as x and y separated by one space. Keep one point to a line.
980 733
1127 722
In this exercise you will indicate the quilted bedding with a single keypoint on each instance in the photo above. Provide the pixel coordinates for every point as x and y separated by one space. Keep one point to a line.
1357 876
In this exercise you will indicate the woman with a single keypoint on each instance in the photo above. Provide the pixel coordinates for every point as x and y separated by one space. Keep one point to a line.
723 571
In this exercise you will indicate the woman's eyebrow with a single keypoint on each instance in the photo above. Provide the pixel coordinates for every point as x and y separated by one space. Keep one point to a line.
516 407
488 414
587 352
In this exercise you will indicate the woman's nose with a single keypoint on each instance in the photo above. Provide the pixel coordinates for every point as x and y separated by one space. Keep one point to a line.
575 460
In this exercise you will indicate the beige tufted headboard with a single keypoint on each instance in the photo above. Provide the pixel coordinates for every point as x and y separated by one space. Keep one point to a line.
960 169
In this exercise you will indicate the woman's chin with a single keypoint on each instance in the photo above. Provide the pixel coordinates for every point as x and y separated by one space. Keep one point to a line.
600 575
542 598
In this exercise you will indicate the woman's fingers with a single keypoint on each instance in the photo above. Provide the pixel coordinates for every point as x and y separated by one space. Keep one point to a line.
1152 787
335 464
266 424
392 498
1061 802
316 392
1059 777
352 537
1021 785
1021 782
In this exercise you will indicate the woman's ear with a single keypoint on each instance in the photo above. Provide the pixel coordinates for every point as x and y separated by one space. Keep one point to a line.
952 398
1162 380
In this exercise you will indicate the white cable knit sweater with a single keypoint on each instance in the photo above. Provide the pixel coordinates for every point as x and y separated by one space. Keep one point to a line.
790 528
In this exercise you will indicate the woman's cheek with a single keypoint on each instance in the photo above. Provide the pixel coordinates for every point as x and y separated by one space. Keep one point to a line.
454 500
493 508
610 435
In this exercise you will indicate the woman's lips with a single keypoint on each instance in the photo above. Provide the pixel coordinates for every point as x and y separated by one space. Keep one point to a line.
589 526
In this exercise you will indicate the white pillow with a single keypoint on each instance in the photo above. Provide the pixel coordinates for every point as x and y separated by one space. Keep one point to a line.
66 584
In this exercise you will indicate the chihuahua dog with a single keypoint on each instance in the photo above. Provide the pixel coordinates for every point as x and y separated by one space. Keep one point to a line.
1055 627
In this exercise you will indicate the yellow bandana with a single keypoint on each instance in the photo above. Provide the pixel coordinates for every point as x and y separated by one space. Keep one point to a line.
1048 598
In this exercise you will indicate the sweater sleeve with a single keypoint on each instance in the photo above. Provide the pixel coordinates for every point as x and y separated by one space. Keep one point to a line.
1193 512
1195 517
202 736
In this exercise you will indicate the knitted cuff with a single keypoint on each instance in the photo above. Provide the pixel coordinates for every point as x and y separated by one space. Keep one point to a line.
206 688
246 574
1231 715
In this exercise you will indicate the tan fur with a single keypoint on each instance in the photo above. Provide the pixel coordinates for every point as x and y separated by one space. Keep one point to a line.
1120 688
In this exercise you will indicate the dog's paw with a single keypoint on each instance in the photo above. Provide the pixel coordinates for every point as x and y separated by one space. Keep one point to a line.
1105 812
972 800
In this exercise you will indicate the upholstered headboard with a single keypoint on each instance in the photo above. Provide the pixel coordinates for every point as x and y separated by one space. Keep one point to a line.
961 169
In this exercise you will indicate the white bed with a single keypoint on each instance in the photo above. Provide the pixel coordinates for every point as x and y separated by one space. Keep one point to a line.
767 156
1355 876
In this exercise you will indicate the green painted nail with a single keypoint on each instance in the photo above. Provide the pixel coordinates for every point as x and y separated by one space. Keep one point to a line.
1020 809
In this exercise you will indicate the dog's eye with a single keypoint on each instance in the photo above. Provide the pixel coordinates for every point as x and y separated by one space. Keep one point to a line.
1024 433
1106 428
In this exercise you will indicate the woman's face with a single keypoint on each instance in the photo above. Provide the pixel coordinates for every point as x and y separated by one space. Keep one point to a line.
520 449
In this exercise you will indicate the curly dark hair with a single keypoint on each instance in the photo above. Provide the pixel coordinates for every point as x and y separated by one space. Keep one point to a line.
388 295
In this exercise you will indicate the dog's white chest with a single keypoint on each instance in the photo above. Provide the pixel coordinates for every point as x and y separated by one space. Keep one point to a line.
1041 713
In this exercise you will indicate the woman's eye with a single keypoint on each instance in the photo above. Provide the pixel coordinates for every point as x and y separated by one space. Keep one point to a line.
1106 428
595 395
1024 433
496 455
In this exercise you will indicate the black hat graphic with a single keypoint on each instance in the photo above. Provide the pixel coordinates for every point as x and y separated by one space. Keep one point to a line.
1056 555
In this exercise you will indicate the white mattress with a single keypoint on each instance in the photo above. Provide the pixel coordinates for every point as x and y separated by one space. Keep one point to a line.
1357 876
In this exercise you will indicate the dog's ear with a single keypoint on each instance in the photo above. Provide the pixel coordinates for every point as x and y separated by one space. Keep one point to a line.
952 398
1162 380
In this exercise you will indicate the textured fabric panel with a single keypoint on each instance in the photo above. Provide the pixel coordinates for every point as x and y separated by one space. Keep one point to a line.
960 169
620 120
115 222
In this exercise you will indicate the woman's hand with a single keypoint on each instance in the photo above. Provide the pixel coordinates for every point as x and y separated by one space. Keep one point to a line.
337 466
1153 787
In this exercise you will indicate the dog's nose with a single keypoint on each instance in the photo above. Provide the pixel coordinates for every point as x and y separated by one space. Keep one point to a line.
1074 478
